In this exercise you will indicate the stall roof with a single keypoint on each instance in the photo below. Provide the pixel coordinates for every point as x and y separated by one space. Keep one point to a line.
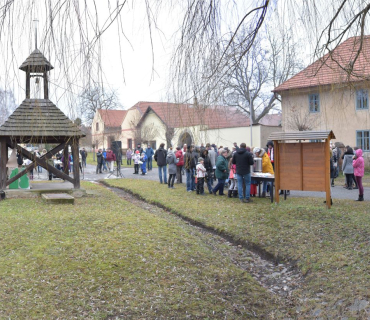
302 135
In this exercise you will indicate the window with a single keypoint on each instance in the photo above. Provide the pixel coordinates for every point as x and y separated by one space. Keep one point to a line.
363 140
314 102
362 98
97 127
153 144
129 143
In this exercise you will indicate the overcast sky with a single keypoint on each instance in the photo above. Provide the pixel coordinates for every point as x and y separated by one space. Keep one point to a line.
131 66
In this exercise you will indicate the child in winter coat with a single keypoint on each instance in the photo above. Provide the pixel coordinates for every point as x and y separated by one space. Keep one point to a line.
201 173
143 160
136 158
233 189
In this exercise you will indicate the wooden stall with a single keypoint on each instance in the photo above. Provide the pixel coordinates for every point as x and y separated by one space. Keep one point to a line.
302 161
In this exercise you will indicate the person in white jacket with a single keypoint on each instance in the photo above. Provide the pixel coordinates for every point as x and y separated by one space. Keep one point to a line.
201 173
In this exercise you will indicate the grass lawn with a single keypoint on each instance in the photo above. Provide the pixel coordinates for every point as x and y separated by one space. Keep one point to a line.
104 258
89 160
330 247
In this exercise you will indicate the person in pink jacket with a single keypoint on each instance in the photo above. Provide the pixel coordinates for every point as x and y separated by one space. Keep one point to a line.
359 171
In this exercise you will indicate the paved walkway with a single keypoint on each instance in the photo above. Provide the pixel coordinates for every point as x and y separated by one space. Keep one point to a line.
89 174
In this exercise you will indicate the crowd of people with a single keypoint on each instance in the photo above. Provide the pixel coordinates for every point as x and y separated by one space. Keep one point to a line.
203 165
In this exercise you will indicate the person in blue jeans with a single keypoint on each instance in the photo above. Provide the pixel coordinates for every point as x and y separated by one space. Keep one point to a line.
222 172
149 154
105 160
160 157
243 159
189 165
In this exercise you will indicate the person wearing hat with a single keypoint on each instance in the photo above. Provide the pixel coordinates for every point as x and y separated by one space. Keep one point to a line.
201 173
222 172
139 148
236 146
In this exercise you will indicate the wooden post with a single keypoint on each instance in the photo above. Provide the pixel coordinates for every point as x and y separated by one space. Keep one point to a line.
3 161
46 88
28 84
76 167
301 165
65 162
327 173
277 170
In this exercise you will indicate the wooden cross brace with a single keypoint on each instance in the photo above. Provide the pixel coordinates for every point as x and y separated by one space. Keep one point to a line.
42 161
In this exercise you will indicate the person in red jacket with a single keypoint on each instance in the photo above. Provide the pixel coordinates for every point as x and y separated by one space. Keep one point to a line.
111 157
180 156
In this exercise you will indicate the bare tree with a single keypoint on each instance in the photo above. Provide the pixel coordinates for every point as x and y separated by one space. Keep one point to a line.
136 130
7 104
91 100
271 60
148 133
300 120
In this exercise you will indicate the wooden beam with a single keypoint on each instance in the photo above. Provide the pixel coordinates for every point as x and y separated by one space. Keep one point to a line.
54 151
277 170
21 173
48 155
76 167
65 162
46 87
301 165
3 161
28 83
327 173
43 163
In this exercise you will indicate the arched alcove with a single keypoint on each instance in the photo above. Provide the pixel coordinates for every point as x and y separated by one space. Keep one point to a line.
185 138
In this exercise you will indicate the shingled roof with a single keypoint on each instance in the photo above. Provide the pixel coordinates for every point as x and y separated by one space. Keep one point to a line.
335 67
39 119
36 62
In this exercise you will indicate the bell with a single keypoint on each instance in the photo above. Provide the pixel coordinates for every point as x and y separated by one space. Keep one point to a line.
12 161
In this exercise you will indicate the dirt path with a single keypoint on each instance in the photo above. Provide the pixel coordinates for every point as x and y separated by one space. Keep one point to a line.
280 279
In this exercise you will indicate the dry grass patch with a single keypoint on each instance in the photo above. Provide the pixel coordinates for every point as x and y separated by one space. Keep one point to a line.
105 258
331 247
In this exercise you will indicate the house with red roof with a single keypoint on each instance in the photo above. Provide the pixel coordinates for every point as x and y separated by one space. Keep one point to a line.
106 127
332 94
175 124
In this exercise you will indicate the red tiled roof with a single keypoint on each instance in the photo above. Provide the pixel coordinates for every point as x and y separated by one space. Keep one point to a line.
185 115
330 69
112 118
271 120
